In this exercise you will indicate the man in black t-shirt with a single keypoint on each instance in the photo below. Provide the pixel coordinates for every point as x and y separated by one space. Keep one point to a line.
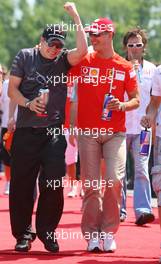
37 147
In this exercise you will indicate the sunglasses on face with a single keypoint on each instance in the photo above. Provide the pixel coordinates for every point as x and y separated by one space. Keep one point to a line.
135 45
97 35
56 44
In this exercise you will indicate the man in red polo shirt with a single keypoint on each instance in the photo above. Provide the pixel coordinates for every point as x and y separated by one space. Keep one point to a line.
103 72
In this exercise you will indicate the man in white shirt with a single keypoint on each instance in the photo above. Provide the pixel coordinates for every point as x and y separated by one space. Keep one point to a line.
147 121
134 43
5 103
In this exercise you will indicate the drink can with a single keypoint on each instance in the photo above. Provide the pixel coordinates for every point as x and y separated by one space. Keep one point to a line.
44 96
106 113
145 138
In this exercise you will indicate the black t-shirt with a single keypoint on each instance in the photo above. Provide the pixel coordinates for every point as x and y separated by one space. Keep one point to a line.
37 73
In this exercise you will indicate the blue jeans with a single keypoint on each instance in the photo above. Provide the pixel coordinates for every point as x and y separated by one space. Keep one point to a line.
142 188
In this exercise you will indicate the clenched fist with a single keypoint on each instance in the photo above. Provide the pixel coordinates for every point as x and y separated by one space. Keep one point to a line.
71 9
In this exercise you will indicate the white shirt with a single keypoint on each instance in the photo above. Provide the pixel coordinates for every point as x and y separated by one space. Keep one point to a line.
5 103
145 84
156 91
158 123
0 78
5 100
156 85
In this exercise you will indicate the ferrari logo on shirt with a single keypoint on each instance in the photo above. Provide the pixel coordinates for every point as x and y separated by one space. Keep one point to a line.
110 73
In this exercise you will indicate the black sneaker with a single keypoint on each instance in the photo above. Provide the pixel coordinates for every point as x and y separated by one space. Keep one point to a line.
145 218
23 245
51 246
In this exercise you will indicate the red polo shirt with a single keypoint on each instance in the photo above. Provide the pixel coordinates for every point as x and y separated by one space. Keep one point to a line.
94 77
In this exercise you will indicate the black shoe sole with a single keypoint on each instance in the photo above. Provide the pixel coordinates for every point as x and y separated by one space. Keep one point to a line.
145 219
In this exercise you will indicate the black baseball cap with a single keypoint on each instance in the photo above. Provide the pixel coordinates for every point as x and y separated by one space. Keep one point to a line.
54 32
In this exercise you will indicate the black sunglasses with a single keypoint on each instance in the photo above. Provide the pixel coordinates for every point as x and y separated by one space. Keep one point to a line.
57 44
135 45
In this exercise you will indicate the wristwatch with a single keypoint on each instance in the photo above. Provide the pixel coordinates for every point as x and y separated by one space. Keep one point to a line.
122 107
27 103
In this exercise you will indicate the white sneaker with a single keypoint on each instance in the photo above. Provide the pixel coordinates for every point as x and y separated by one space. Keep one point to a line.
94 245
7 188
109 244
73 192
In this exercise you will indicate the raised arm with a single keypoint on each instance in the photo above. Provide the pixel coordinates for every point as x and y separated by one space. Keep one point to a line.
75 55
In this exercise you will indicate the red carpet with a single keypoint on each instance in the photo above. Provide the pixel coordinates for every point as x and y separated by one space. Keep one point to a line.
136 245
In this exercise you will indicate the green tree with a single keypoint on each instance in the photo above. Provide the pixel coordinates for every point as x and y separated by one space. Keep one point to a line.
7 11
21 24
